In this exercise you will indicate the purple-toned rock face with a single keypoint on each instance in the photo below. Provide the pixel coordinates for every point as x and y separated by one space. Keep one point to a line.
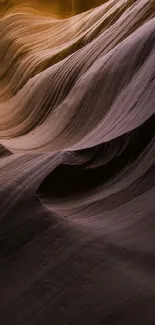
77 162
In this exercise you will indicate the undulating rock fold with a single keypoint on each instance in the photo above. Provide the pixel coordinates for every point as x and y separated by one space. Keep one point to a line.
77 162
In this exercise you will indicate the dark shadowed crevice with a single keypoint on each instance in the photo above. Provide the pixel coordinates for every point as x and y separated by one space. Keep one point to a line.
70 179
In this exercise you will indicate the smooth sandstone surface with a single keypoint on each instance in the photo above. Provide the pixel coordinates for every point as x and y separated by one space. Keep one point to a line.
77 162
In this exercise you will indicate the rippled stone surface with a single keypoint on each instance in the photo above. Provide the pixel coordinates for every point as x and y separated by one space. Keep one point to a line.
77 162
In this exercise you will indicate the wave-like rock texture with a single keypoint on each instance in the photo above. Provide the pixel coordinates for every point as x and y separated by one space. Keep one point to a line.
77 162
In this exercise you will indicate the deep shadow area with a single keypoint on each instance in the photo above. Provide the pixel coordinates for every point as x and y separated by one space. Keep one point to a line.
69 180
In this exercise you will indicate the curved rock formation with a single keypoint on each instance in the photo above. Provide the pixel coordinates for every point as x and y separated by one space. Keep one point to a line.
77 162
